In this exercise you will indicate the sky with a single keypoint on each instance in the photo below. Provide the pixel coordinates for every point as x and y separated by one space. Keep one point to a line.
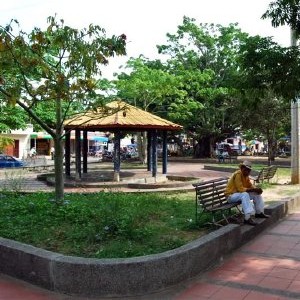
144 22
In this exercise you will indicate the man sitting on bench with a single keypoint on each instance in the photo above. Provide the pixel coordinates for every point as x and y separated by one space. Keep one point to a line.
240 188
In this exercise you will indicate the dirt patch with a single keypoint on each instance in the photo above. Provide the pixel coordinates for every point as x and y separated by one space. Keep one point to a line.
279 191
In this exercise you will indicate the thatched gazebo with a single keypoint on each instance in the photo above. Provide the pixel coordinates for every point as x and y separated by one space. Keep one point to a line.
117 117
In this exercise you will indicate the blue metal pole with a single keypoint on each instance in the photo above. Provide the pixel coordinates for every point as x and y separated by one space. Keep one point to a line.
164 153
84 151
149 150
116 156
78 153
68 153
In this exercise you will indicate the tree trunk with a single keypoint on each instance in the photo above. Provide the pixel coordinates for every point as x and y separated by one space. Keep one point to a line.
59 170
272 148
202 148
59 155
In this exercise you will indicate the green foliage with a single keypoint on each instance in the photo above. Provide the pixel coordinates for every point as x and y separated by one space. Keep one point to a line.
52 74
204 56
58 63
265 92
268 118
12 118
265 65
217 74
148 87
284 12
194 87
99 225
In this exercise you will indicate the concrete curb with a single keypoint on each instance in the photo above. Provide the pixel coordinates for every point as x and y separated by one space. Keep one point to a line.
226 169
131 276
164 181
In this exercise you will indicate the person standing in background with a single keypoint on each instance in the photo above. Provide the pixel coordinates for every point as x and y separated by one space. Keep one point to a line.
52 151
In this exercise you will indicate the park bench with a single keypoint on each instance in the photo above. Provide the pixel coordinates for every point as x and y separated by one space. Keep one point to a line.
227 158
265 173
210 198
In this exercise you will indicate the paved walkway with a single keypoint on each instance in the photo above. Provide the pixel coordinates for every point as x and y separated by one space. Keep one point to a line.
27 181
268 267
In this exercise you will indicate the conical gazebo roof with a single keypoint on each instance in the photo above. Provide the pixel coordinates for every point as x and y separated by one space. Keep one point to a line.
119 115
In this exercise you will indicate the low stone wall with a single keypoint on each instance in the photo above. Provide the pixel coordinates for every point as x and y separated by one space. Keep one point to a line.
218 168
131 276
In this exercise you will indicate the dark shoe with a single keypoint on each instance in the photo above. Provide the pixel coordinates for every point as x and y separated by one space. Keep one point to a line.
262 215
250 222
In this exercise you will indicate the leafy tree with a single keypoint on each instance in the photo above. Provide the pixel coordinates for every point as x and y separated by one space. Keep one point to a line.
148 87
284 12
204 56
269 120
264 89
230 75
266 65
12 117
57 69
271 69
287 12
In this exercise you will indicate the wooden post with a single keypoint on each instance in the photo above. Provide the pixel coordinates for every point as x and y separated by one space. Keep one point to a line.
149 150
84 151
68 154
77 154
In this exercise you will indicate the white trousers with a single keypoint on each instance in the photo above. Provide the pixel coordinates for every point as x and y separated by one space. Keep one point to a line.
247 205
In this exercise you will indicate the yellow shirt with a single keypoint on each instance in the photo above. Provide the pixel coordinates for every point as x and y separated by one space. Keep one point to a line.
238 183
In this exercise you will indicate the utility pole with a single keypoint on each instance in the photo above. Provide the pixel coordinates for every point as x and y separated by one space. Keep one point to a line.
295 132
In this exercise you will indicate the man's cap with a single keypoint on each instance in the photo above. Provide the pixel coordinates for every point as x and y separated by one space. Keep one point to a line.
247 164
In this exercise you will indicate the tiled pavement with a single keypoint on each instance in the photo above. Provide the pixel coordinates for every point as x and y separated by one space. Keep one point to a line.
12 289
28 182
266 268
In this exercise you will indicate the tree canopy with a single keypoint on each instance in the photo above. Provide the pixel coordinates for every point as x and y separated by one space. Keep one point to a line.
219 74
284 12
53 73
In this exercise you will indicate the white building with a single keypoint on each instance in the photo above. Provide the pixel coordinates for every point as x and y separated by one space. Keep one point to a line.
21 138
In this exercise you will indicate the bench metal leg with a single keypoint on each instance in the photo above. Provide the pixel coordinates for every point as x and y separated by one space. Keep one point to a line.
215 223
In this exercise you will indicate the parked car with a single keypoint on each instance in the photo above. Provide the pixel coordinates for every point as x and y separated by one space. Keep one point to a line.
7 161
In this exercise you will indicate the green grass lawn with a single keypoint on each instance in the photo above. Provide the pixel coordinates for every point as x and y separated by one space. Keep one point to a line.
100 225
108 225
